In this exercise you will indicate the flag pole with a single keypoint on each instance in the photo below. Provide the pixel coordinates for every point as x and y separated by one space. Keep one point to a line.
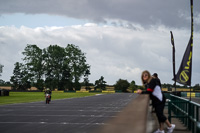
184 73
173 59
192 28
190 92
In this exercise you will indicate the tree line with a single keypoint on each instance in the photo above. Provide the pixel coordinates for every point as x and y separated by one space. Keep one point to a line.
61 68
51 67
56 67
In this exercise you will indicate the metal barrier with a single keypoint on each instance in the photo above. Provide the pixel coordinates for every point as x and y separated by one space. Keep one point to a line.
4 92
187 111
187 94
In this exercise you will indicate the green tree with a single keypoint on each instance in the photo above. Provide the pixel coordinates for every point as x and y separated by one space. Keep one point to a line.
17 76
54 57
20 78
77 63
1 69
66 80
100 83
2 82
141 87
34 63
133 86
86 79
196 87
167 85
39 84
122 85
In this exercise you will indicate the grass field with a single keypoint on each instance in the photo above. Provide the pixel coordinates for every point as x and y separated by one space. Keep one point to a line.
25 97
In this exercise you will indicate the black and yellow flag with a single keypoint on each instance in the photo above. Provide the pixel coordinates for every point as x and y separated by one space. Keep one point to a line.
185 71
184 74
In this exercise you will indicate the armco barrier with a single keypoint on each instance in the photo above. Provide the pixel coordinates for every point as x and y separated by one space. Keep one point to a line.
4 92
70 91
192 94
82 91
187 94
95 91
118 91
108 91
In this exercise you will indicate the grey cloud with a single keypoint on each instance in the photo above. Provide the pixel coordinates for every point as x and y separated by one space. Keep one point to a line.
144 12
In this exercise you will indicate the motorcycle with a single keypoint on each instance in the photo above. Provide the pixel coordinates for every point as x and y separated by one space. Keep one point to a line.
48 96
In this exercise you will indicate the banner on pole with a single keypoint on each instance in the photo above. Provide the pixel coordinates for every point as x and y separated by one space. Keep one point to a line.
184 73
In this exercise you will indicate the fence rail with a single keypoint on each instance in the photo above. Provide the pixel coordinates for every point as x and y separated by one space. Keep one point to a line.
187 111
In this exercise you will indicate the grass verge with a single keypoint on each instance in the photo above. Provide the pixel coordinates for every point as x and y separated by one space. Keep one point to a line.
25 97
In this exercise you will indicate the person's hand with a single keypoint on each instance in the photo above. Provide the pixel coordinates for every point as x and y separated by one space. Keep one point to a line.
139 91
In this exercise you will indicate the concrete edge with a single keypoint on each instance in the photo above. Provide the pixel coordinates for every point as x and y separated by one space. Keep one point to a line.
132 119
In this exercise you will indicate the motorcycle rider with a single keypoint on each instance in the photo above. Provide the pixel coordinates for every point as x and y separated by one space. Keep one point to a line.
48 91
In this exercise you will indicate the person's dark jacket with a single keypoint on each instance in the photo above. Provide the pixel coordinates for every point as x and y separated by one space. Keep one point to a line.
156 96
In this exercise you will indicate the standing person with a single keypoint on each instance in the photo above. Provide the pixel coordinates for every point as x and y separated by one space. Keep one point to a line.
153 88
155 75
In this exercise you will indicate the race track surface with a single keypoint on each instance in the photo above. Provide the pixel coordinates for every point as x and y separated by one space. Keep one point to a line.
76 115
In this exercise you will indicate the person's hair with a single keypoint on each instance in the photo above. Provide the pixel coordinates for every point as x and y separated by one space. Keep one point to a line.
155 75
149 77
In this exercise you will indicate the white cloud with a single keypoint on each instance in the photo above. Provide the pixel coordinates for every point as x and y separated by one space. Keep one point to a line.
113 52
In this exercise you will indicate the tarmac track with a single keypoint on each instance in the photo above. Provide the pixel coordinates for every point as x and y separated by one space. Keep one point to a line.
76 115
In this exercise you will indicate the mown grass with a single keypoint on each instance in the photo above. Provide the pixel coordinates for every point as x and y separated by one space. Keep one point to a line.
25 97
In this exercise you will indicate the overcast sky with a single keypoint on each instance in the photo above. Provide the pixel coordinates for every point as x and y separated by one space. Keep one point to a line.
121 38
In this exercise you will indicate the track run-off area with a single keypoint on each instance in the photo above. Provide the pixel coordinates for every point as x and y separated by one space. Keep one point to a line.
75 115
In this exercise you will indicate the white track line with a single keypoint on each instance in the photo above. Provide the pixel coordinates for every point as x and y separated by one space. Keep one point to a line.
59 123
